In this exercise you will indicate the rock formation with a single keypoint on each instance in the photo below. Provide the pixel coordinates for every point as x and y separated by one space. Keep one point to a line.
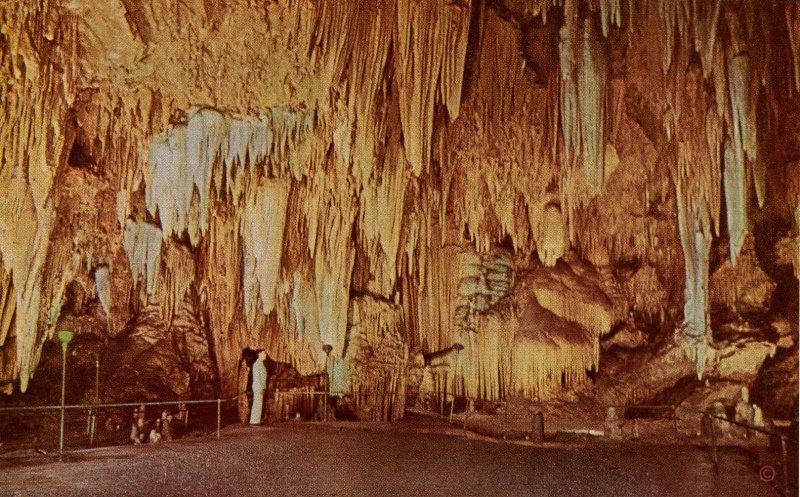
394 178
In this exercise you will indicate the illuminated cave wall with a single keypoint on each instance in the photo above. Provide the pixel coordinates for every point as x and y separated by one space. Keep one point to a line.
311 172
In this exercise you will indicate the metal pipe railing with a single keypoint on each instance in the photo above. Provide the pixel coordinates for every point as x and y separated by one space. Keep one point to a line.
713 419
93 409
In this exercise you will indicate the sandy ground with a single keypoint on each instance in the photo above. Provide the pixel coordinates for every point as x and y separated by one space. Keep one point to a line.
416 457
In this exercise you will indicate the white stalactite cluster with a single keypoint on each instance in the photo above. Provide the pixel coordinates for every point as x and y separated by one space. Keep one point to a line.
730 134
103 287
143 246
583 90
181 162
263 222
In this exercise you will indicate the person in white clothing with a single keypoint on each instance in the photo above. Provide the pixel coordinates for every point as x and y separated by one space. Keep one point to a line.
259 386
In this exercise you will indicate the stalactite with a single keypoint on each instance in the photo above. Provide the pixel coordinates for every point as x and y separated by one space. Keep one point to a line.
735 201
333 255
142 243
551 242
592 87
695 233
373 30
425 53
262 228
547 349
570 121
381 218
610 13
220 291
103 286
667 11
745 144
377 358
39 49
495 158
181 162
697 183
176 276
579 299
793 28
706 20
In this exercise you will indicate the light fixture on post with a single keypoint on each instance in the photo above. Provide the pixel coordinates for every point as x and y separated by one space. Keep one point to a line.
327 348
64 337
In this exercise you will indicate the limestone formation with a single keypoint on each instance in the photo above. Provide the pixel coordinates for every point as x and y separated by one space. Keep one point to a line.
421 200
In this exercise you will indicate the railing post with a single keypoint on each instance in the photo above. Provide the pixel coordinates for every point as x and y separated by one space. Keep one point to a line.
785 466
675 418
505 421
63 390
219 416
92 421
714 441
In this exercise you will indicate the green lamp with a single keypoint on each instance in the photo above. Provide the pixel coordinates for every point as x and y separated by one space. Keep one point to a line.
64 337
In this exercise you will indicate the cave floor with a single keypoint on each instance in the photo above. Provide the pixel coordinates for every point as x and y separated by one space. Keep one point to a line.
414 457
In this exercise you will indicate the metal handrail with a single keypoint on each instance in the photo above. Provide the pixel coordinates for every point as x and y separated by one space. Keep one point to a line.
123 404
750 427
783 438
93 407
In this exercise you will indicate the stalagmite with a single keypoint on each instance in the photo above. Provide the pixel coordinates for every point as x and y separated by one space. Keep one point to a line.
143 246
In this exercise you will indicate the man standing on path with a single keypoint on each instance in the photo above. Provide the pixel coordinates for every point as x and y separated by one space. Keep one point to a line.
259 386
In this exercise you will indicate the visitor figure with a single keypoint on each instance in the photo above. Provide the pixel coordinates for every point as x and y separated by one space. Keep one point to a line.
259 386
613 424
244 382
744 412
166 426
137 430
155 436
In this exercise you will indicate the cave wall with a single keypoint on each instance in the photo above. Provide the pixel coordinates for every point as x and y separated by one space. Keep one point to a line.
277 165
